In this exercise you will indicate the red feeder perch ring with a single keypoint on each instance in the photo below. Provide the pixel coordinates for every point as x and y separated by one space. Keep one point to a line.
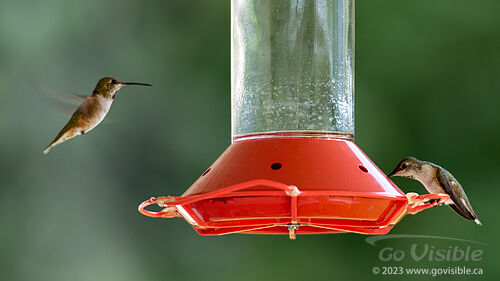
312 191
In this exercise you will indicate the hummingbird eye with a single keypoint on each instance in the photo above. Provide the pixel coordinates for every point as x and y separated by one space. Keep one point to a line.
113 81
404 166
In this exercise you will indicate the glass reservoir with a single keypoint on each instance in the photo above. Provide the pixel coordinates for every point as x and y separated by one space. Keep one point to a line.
292 68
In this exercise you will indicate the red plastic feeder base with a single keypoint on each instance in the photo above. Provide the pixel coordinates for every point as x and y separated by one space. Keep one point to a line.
293 186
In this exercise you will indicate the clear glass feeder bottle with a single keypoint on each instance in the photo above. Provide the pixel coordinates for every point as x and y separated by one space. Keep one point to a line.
292 68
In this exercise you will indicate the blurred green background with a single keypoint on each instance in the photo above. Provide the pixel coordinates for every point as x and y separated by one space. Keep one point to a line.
427 84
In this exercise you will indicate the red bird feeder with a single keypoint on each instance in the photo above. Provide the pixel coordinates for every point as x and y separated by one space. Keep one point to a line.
292 167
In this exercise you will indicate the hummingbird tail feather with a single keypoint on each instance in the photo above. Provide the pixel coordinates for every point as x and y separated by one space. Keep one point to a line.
63 136
478 222
47 149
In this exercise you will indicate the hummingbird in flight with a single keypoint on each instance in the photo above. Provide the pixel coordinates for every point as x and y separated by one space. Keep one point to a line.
92 111
437 180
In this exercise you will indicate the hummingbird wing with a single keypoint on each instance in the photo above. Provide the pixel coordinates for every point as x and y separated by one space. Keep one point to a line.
63 103
68 131
66 103
73 121
460 204
460 212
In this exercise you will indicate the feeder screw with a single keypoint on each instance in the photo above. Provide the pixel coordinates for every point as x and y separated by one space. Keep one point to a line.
293 191
291 230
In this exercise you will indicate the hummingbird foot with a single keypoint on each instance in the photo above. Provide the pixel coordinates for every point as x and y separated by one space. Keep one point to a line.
434 202
170 212
161 201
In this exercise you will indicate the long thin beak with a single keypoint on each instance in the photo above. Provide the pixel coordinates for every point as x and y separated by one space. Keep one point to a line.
392 173
133 83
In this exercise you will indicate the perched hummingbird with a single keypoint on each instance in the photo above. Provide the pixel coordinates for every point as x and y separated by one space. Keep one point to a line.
92 111
437 180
